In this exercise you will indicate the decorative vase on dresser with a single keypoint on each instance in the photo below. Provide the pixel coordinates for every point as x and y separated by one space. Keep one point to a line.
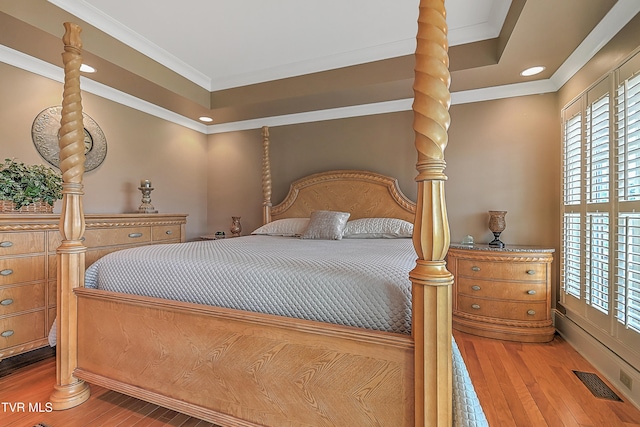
502 293
28 265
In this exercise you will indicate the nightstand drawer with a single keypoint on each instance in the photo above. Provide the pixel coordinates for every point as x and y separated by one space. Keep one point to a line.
20 298
502 290
502 270
21 329
21 269
165 232
21 243
503 310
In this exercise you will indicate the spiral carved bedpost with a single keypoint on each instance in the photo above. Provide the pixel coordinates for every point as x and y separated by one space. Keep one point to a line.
430 279
69 391
266 177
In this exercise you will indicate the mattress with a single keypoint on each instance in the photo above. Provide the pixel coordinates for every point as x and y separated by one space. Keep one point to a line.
353 282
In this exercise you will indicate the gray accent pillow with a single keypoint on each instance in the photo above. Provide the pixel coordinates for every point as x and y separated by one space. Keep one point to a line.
377 228
326 225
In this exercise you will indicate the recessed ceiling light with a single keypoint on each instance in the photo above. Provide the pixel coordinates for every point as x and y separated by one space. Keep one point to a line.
205 119
532 71
87 69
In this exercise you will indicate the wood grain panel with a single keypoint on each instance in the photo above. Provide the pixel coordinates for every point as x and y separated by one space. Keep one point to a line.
21 298
527 311
502 271
24 328
503 290
363 194
164 233
21 269
263 369
21 243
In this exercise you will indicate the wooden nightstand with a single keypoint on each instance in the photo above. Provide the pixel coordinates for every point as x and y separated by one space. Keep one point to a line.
502 293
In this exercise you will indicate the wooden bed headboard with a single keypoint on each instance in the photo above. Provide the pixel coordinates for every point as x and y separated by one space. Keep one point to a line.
363 194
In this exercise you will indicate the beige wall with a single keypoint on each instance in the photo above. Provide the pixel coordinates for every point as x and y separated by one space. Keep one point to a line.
501 155
505 155
139 146
382 143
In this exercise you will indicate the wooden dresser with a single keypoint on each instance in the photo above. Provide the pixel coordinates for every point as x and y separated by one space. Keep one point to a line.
28 244
502 293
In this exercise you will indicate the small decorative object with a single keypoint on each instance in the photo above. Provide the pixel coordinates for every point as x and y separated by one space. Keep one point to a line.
32 188
497 225
236 227
44 133
467 240
146 206
219 235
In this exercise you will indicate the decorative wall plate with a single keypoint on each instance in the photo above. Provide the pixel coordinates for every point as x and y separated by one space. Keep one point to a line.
44 133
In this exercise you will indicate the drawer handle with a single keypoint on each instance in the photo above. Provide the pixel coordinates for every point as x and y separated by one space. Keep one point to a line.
168 232
475 306
531 312
7 333
531 292
7 301
531 272
134 235
475 287
6 272
6 244
474 268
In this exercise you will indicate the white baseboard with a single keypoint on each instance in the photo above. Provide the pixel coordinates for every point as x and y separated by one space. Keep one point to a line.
604 360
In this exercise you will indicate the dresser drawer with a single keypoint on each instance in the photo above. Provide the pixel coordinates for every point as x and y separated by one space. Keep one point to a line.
21 329
21 269
20 298
165 232
503 310
517 271
21 243
477 288
116 236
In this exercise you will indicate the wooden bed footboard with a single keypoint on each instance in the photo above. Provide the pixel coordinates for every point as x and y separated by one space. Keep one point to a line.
239 368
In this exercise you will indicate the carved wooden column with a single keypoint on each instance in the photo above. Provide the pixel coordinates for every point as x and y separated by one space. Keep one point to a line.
69 391
430 279
266 177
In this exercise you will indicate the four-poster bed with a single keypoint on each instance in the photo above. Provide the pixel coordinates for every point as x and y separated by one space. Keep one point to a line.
203 360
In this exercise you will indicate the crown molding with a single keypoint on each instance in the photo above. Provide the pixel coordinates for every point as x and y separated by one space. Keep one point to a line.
619 15
622 12
37 66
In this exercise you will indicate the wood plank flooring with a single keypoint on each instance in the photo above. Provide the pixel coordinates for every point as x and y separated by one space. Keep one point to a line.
517 384
522 384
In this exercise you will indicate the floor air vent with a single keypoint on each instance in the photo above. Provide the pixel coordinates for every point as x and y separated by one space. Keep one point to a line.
595 385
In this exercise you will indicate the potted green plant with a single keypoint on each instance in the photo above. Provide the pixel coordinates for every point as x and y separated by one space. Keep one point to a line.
28 188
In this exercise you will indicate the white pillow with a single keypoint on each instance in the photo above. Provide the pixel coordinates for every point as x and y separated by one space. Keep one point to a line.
288 227
376 228
326 225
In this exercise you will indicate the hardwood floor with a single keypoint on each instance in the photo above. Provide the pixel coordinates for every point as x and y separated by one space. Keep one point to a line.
33 384
518 385
521 384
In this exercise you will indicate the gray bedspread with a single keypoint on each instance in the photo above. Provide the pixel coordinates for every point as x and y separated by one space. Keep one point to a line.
354 282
